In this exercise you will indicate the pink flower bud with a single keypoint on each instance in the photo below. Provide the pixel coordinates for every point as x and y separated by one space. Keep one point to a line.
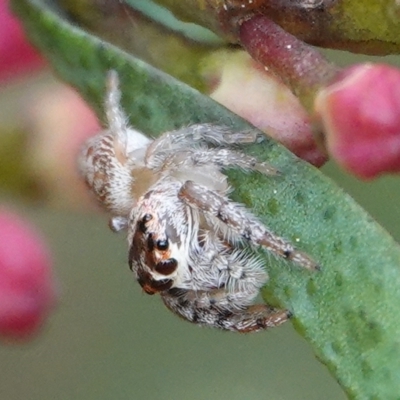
17 55
27 290
59 122
360 114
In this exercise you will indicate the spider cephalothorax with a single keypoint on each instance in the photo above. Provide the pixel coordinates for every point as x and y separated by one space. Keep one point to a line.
188 241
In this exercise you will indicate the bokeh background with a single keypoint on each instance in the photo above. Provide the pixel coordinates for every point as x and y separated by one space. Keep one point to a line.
107 339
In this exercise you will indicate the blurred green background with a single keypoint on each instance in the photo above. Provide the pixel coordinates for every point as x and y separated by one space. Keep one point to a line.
109 340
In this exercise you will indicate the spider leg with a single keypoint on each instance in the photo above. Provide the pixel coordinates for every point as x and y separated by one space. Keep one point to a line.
125 137
235 217
227 158
209 308
116 118
106 161
222 135
186 138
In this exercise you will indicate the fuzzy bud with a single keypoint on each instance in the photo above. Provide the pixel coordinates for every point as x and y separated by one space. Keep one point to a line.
27 290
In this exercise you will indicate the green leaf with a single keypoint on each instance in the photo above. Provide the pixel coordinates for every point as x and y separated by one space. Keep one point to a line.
348 311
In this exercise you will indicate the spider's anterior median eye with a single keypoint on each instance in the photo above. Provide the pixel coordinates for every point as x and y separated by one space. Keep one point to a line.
162 244
167 267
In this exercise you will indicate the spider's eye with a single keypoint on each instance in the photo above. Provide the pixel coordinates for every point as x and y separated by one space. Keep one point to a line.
162 244
142 222
167 267
147 217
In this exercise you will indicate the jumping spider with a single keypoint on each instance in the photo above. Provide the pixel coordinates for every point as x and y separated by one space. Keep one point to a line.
188 241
